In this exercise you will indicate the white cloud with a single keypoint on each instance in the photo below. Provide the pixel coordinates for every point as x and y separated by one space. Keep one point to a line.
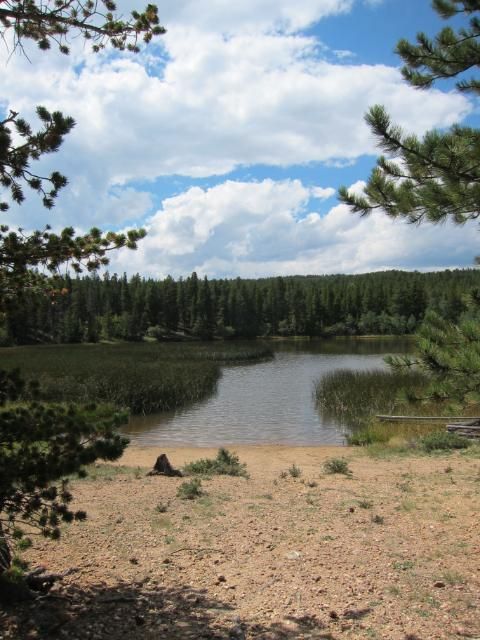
220 104
254 229
233 85
249 15
343 54
322 193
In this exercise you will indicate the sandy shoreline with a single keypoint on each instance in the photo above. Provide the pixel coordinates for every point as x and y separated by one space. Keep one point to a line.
265 459
390 551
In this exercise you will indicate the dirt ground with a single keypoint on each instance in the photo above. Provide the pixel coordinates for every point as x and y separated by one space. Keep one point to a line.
391 551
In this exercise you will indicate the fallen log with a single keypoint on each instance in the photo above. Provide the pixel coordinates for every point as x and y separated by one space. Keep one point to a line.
386 418
470 429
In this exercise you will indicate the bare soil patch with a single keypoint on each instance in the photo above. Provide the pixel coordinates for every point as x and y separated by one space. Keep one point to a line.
391 551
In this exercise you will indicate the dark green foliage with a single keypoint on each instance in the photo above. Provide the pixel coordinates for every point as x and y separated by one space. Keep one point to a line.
436 177
444 441
190 490
39 446
451 355
116 308
225 464
14 162
449 54
49 23
143 377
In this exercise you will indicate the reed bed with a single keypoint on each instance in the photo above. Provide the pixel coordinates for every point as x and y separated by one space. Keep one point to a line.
352 397
144 378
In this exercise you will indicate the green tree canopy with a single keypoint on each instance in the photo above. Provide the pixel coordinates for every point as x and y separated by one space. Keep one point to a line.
42 443
435 177
52 22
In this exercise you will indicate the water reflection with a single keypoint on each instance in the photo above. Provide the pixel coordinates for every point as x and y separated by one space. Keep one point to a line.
268 402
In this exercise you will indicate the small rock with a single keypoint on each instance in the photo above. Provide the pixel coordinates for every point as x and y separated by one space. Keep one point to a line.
293 555
139 620
333 615
167 561
134 560
439 584
352 509
221 578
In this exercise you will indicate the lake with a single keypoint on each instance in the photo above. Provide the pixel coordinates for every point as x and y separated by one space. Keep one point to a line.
268 402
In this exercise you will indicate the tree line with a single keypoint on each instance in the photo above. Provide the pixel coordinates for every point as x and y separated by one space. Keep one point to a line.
112 307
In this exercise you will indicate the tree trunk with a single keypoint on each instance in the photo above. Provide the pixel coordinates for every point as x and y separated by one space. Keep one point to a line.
5 553
163 467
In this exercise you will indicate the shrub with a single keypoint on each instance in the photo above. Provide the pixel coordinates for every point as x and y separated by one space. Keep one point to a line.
444 441
337 465
190 490
225 464
294 471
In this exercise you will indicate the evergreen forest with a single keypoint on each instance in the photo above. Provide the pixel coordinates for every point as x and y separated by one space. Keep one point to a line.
112 307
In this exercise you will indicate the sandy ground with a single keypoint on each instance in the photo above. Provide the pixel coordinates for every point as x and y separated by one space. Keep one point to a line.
391 551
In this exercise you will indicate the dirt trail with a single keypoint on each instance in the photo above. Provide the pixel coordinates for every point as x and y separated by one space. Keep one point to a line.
391 551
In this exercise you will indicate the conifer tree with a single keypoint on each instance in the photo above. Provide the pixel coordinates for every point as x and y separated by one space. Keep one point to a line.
41 444
435 178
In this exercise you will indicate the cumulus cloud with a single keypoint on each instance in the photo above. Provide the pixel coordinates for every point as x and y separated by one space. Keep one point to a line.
219 104
249 15
231 85
255 229
322 193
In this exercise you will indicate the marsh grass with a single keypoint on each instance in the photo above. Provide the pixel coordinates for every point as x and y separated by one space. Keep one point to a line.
225 464
395 432
352 397
145 378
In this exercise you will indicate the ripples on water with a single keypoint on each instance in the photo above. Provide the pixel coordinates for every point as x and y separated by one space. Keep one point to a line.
267 402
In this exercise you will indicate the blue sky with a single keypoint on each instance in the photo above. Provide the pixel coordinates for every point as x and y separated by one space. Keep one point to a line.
228 138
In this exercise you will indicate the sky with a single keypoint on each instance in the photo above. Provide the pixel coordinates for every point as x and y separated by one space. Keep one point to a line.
227 138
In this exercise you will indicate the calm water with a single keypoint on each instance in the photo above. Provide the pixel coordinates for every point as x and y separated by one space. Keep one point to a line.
267 402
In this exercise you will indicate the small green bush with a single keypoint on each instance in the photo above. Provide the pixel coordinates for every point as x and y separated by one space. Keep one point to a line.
365 504
294 471
190 490
337 465
444 441
225 464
